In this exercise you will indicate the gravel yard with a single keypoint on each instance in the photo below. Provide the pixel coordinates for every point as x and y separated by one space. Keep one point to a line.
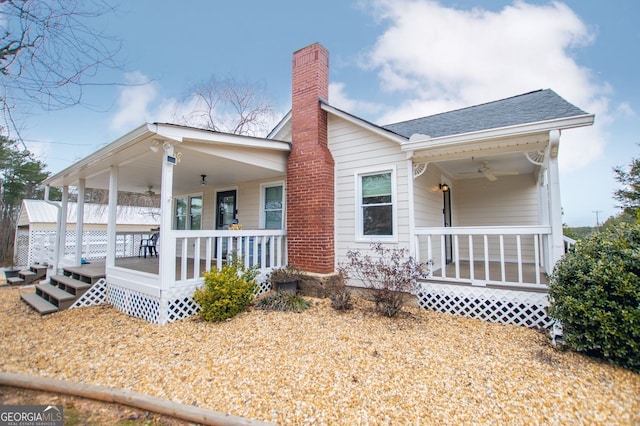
325 367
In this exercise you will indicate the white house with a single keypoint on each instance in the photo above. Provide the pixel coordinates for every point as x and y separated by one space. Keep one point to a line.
473 192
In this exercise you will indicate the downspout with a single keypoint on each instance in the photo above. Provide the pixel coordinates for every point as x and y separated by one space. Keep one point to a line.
56 243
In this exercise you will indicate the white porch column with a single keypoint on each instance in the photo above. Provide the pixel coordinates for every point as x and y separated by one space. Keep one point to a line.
555 206
61 236
167 255
112 217
80 221
413 246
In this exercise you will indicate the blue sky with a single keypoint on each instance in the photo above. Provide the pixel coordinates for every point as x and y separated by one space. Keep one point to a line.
391 60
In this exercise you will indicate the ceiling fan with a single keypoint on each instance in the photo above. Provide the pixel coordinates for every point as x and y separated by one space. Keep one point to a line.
491 173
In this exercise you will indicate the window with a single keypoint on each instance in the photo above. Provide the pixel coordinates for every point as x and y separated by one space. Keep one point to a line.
376 204
188 212
273 206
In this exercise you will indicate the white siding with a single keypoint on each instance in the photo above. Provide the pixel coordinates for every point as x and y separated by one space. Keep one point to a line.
509 201
354 149
247 203
428 198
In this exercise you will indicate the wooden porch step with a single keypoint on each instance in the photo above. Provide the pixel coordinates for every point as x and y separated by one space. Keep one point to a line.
15 280
28 276
38 303
55 295
70 285
90 274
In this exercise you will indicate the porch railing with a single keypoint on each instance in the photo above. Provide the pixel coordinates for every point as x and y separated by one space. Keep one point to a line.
202 250
499 255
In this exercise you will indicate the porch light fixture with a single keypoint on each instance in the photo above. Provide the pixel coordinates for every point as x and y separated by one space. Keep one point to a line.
443 187
203 180
154 146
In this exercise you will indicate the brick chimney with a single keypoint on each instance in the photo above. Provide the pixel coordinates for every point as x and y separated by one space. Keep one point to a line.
310 172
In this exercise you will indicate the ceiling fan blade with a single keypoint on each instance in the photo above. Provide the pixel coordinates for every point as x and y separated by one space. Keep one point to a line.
489 175
504 173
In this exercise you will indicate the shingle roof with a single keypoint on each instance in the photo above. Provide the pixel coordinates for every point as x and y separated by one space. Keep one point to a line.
540 105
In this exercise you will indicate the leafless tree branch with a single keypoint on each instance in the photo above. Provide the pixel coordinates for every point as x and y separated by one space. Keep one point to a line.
228 106
49 52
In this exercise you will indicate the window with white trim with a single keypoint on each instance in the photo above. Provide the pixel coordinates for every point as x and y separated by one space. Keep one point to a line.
376 204
273 206
188 212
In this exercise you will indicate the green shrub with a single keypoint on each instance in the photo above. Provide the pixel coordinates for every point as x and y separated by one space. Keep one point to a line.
226 292
282 301
595 293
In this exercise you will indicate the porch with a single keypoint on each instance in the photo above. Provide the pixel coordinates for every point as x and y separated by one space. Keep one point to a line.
495 273
498 256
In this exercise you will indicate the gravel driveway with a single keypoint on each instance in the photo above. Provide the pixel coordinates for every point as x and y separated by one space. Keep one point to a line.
326 367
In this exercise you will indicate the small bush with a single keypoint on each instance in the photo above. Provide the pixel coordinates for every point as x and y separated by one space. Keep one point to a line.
226 292
338 293
282 301
390 273
595 293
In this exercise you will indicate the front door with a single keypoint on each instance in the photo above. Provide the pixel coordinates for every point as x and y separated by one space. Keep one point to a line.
446 211
225 215
225 208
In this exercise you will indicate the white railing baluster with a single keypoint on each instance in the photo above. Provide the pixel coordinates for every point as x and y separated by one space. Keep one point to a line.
537 257
519 251
486 257
456 260
272 257
183 259
219 253
503 272
208 254
429 250
472 275
443 257
196 258
263 252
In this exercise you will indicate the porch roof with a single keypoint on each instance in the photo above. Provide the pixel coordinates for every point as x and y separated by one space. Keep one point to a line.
532 107
224 158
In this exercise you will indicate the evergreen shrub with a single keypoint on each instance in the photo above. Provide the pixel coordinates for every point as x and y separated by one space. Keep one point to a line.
595 293
226 292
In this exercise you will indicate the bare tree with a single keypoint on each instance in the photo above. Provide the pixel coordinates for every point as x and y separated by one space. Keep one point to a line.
48 52
228 106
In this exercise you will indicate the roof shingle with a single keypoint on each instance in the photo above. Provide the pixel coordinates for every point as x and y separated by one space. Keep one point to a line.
540 105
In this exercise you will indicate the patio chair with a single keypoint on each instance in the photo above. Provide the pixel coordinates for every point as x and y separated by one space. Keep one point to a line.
149 245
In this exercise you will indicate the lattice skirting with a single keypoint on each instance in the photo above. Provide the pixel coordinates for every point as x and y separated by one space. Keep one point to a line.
134 303
178 303
175 303
96 295
490 304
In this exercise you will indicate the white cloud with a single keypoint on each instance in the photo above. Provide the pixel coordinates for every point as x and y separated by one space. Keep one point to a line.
441 58
340 99
133 102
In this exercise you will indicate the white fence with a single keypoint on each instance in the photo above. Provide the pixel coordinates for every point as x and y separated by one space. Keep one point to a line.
497 255
200 250
38 246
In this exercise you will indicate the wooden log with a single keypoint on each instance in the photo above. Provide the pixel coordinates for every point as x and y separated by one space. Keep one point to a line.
126 397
